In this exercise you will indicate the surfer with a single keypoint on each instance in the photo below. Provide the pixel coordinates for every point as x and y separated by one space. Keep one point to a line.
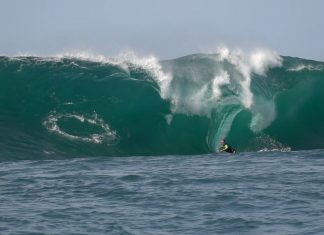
226 147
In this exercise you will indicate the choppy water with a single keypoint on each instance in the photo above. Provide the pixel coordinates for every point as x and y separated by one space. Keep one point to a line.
249 193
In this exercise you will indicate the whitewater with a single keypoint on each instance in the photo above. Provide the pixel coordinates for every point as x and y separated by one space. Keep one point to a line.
91 144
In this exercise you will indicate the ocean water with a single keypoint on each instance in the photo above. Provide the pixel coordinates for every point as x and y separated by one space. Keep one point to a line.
247 193
128 145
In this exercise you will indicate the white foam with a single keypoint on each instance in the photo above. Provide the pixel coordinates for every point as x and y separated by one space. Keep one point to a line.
263 113
124 60
257 61
86 55
262 60
301 67
107 135
150 63
222 79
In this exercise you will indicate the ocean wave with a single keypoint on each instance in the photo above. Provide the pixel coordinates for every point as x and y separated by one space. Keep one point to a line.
88 104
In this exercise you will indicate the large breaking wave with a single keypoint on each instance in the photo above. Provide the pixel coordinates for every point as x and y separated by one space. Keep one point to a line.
81 105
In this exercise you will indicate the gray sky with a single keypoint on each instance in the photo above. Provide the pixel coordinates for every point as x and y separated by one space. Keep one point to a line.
165 28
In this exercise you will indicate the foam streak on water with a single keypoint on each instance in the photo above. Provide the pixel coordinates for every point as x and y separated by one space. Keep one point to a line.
251 193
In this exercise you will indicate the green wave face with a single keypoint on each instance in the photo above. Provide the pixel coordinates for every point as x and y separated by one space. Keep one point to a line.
71 106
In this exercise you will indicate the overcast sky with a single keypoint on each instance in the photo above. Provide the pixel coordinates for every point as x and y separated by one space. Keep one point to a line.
165 28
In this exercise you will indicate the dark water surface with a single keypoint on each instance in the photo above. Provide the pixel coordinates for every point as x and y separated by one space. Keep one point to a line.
250 193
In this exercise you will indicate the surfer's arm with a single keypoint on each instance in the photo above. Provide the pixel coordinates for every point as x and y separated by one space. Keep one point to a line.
223 148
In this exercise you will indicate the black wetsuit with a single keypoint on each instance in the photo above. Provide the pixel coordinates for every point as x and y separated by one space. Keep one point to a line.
226 148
